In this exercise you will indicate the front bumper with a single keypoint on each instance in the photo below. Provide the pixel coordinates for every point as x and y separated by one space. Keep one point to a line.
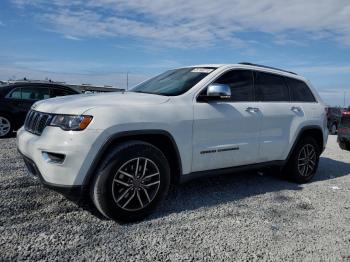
74 192
79 149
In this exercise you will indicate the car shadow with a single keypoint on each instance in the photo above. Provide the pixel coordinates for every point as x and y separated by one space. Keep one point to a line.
12 135
212 191
221 189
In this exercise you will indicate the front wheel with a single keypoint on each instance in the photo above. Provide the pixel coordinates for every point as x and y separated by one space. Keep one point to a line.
303 163
131 182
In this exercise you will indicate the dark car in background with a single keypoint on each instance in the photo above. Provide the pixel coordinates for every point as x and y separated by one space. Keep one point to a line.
334 115
344 131
17 98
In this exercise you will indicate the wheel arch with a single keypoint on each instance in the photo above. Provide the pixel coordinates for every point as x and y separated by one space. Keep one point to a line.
159 138
313 131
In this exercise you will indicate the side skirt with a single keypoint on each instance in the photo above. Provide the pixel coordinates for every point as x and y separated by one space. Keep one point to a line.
230 170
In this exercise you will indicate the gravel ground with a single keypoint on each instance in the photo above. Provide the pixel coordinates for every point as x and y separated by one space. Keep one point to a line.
250 216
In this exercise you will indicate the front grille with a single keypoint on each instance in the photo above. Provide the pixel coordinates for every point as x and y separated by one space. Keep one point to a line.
36 122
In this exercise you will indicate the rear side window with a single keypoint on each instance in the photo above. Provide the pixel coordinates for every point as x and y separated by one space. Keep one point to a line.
15 94
300 92
35 93
270 87
61 92
241 84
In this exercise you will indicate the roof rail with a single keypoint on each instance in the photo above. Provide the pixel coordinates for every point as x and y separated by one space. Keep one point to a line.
269 67
34 81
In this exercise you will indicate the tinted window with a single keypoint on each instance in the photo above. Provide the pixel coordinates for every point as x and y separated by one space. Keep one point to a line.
61 92
300 92
35 93
270 87
15 94
241 84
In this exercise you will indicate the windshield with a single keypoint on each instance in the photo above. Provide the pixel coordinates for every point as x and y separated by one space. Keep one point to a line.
173 82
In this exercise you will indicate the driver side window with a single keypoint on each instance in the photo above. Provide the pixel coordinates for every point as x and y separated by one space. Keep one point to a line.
241 84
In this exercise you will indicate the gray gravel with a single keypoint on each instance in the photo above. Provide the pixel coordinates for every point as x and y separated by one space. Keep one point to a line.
249 216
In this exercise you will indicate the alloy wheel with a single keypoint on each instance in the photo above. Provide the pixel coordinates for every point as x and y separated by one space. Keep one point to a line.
5 126
307 160
136 184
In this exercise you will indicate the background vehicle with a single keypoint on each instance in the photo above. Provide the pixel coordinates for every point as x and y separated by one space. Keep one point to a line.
126 148
344 131
16 98
333 119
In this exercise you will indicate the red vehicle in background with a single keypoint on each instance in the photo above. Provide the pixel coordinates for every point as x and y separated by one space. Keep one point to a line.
344 130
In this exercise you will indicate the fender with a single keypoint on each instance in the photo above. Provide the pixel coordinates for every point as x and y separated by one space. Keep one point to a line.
128 134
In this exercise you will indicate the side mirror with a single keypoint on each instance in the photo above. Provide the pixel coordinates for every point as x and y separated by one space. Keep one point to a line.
218 91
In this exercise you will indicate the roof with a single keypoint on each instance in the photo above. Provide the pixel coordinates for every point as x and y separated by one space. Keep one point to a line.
80 88
255 67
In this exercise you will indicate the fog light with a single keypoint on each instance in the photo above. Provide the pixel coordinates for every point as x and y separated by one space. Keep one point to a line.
53 157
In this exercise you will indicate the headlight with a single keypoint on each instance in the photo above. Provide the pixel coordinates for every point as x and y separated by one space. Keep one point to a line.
71 122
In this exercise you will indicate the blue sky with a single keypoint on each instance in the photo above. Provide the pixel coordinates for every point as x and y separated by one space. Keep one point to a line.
97 41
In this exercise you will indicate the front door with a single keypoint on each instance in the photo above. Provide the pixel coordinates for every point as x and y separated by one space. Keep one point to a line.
226 132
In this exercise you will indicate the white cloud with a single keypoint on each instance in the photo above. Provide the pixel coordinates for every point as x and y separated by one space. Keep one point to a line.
184 23
70 37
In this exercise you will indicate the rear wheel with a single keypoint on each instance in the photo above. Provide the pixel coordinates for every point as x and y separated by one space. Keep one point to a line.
303 163
344 145
131 182
6 126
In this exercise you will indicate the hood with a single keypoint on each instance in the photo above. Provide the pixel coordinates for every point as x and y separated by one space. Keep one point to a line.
78 104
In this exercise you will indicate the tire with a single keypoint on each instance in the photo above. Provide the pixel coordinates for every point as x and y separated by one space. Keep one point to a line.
6 126
304 160
345 146
115 191
333 129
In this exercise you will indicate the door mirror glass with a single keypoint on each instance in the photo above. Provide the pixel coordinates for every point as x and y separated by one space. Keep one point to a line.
219 91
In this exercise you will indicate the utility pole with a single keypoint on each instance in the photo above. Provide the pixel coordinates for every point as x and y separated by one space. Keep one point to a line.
344 99
127 81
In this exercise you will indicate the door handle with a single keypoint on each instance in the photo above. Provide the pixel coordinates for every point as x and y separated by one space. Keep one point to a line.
252 109
296 109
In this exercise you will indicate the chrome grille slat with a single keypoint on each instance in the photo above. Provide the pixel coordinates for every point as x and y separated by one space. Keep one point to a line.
36 122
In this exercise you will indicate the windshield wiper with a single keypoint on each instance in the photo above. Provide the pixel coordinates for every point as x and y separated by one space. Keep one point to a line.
144 92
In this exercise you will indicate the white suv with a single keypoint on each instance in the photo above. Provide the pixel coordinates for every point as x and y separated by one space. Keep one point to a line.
126 148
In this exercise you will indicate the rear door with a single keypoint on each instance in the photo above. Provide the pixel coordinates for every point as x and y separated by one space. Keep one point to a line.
225 132
280 117
12 102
